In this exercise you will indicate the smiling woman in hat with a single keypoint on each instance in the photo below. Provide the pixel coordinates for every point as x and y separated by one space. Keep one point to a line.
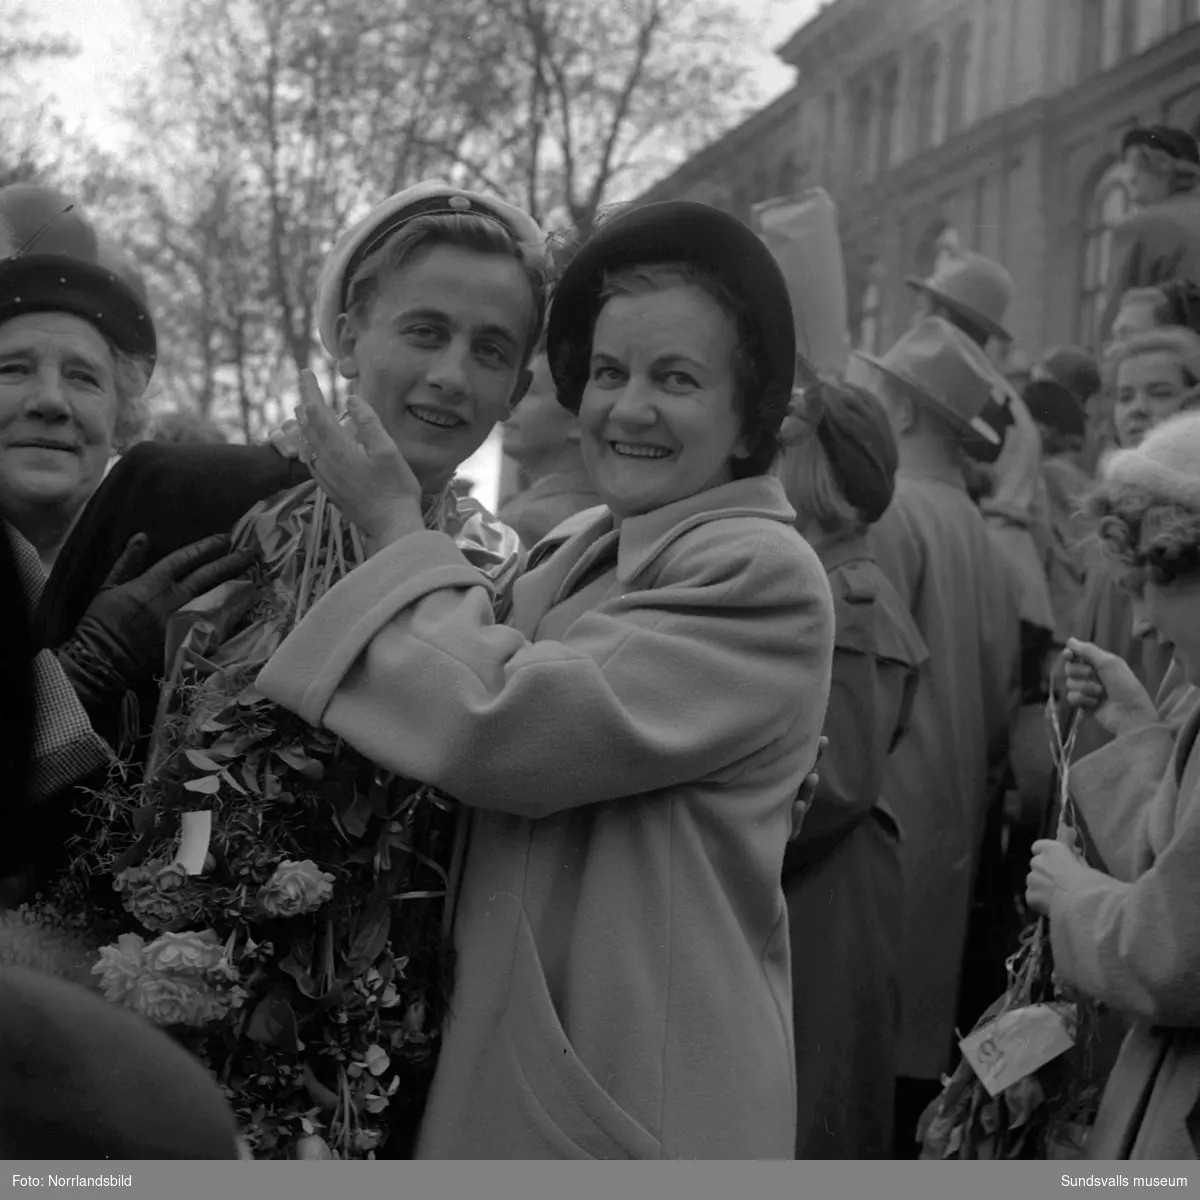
842 875
935 549
1160 240
77 347
632 742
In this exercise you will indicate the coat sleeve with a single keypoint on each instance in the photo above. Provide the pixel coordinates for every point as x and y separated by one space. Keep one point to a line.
851 771
1114 788
1135 945
727 653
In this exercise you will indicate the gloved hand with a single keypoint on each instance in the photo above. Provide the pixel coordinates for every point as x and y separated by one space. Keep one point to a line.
119 642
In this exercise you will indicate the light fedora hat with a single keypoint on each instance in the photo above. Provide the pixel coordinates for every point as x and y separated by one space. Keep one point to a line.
939 366
974 287
434 197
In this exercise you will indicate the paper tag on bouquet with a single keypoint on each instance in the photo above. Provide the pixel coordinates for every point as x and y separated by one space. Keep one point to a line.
1015 1045
196 833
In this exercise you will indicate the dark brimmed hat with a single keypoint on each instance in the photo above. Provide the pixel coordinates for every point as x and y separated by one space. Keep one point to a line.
1074 368
51 263
679 231
1176 142
1051 404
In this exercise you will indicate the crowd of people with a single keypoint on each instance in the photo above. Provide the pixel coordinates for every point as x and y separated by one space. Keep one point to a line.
744 687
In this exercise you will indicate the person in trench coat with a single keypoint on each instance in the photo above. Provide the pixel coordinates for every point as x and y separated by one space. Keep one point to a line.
935 549
842 874
1130 936
632 741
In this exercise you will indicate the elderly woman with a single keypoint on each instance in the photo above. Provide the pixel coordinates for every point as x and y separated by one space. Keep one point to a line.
1155 375
842 875
76 350
632 742
1160 240
1130 937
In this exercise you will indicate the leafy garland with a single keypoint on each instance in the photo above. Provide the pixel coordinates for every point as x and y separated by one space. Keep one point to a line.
1046 1114
304 951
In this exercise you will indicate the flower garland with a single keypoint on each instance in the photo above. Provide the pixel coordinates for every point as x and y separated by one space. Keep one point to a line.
280 904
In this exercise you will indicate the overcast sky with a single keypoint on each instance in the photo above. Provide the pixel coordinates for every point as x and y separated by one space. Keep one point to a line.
115 46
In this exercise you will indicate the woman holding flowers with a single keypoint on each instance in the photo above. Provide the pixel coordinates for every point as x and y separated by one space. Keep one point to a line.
291 898
631 742
1130 938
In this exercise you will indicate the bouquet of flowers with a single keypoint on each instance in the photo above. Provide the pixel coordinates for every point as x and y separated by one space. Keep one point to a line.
283 906
1025 1088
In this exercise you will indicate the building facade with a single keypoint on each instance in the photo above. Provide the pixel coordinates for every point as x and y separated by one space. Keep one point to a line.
988 125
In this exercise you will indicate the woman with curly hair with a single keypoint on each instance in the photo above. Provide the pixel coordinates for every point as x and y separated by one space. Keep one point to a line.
1130 937
1154 375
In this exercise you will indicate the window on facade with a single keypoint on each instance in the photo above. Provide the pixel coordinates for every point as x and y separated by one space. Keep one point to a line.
960 62
888 95
870 312
1106 206
864 103
1183 12
1129 27
762 186
988 43
829 143
1091 37
927 90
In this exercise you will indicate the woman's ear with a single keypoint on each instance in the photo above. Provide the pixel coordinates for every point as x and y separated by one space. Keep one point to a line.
346 336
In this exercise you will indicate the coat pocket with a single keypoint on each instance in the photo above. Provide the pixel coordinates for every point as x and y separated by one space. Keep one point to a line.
568 1107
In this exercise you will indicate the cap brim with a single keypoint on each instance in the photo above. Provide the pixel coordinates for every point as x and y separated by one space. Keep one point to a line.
57 283
974 424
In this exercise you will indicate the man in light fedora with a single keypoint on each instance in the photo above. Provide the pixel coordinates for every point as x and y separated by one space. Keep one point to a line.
971 292
935 548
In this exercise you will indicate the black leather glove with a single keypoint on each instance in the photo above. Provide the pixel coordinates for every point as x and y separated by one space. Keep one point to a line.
119 642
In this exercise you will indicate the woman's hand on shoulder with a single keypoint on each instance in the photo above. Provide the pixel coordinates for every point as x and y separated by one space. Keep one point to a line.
1105 686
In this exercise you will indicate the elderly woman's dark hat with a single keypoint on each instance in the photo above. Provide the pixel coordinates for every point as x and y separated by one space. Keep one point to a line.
699 235
50 261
